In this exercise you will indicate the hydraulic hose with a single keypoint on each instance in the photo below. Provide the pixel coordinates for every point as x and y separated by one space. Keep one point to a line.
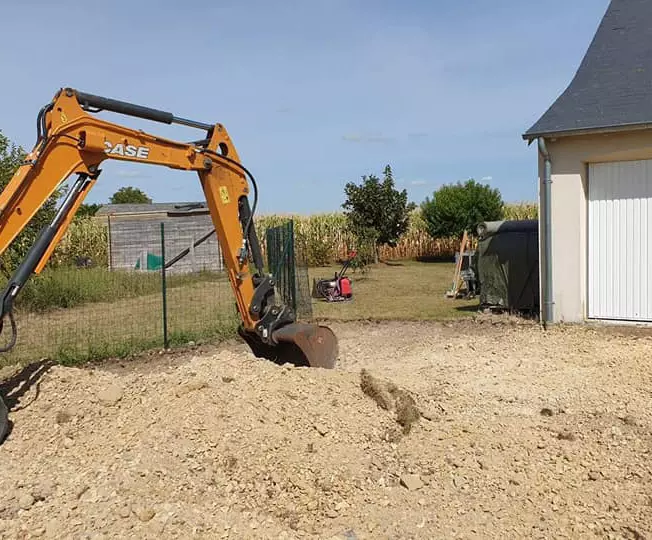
253 182
14 331
247 226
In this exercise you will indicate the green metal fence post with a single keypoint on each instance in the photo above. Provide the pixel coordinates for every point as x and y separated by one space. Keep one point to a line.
166 343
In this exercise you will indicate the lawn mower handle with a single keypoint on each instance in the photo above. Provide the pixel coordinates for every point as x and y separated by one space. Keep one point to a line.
352 255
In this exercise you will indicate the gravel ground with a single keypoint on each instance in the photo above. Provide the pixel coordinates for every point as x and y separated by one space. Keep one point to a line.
478 429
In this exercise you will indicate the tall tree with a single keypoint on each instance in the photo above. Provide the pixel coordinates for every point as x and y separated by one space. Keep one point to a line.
455 208
376 211
131 195
11 157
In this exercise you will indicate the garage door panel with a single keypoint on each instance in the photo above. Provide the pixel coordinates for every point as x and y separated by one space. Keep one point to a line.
620 257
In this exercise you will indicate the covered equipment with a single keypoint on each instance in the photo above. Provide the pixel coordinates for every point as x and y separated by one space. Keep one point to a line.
508 265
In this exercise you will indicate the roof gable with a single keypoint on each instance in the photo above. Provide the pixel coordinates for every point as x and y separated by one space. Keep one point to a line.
612 87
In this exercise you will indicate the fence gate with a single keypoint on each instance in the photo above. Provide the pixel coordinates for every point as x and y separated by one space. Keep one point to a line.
289 268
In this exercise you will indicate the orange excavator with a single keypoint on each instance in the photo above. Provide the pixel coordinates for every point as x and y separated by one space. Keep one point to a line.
72 141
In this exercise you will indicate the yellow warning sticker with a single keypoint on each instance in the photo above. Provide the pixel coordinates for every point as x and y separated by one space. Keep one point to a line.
224 195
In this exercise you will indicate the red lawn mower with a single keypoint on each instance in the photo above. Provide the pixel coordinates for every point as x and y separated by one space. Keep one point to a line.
337 289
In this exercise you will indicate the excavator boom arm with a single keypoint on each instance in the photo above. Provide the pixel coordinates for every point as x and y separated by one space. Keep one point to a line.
71 141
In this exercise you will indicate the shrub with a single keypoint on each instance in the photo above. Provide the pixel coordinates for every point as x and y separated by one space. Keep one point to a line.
455 208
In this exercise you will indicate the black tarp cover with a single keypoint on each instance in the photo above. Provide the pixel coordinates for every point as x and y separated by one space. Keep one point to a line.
508 264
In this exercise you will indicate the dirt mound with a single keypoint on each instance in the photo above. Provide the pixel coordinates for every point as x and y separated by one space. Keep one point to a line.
485 431
218 446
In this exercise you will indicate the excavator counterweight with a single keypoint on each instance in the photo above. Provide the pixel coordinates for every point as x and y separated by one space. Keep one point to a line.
72 141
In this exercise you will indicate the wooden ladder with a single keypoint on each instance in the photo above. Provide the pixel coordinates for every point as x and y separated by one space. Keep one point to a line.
457 278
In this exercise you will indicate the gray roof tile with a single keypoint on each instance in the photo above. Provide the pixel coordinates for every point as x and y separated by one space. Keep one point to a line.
613 86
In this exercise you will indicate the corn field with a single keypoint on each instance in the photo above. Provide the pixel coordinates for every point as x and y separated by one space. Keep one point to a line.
521 211
85 238
323 238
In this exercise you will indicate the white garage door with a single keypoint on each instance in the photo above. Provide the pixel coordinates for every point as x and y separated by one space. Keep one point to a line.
619 236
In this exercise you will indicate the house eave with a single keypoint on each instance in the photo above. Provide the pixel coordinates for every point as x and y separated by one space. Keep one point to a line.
600 130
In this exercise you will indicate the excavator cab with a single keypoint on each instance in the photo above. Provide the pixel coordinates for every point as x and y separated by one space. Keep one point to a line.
71 140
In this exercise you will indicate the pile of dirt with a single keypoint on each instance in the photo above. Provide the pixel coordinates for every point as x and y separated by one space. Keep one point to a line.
219 446
482 430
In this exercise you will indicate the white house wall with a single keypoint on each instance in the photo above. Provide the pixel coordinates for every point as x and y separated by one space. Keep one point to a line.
570 159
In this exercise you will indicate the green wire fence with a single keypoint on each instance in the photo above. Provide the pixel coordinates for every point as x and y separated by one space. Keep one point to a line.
163 283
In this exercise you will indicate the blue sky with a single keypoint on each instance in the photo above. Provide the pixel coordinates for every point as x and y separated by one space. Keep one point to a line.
314 93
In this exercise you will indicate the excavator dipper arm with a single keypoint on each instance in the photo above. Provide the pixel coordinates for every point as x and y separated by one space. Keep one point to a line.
71 141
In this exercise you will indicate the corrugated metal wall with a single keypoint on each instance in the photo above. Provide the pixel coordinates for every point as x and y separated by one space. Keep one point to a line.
619 237
133 236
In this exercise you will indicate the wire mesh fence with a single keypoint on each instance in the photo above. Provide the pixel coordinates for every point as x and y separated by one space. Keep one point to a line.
197 293
162 283
72 314
287 262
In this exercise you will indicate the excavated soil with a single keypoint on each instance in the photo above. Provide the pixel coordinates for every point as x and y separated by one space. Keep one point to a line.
478 429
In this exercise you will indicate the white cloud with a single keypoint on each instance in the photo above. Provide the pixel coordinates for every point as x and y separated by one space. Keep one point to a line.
366 138
122 173
487 178
418 183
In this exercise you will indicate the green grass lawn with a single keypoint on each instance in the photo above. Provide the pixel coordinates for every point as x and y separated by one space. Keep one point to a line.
404 290
100 323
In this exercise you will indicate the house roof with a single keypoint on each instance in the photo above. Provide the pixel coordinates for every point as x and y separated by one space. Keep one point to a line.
612 88
144 208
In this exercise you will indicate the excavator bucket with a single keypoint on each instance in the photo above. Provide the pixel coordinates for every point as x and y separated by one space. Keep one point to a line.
300 344
317 344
